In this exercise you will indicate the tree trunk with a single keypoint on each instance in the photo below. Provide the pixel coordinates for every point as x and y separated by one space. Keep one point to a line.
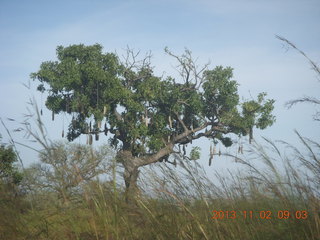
131 175
131 169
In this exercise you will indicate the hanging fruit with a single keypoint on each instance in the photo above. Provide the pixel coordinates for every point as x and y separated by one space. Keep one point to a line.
170 121
146 122
74 122
68 109
211 155
250 135
105 129
146 118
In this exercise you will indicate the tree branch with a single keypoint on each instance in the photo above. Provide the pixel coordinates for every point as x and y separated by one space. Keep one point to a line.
188 67
181 122
185 134
117 115
168 149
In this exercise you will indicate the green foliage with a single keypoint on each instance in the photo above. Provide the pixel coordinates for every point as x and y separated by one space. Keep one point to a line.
145 112
220 92
258 112
8 171
79 82
195 153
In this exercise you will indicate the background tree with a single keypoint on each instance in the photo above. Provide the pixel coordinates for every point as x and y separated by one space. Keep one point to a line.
64 167
11 202
146 117
9 173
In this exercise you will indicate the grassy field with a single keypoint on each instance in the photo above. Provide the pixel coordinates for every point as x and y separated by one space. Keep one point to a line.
269 202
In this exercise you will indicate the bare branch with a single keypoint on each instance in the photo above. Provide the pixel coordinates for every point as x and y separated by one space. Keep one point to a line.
188 69
131 60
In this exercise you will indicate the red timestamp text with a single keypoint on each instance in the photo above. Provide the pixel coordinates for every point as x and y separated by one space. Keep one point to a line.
244 214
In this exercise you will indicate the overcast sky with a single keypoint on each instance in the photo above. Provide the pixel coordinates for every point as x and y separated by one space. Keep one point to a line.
240 34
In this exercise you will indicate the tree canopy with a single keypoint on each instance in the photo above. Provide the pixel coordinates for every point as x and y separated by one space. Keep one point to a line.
147 116
9 173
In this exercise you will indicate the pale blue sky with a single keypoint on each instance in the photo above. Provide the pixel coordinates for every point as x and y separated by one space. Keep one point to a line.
240 34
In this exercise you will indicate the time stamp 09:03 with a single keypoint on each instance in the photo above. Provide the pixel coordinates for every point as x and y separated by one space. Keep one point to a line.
282 214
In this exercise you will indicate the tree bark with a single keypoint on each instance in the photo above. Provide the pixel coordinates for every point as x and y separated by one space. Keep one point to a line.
131 169
132 190
130 175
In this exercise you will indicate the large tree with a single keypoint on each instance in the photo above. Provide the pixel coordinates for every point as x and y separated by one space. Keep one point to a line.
146 117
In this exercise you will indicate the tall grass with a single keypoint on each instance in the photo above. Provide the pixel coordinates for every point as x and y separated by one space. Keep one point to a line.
178 202
174 203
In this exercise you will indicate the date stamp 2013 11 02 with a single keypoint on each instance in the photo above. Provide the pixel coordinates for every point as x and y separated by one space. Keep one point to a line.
244 214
